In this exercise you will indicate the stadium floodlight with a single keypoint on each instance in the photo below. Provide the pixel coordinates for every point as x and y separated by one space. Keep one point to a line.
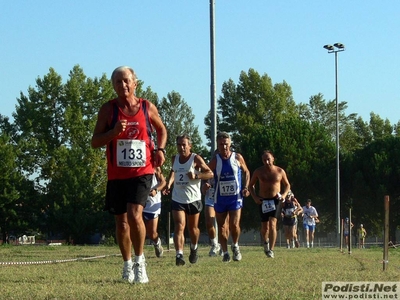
329 47
337 47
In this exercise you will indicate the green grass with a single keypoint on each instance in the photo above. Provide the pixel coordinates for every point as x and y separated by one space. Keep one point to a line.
292 274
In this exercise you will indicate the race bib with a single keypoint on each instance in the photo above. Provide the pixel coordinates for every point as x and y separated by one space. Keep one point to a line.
289 212
131 153
181 178
227 188
267 206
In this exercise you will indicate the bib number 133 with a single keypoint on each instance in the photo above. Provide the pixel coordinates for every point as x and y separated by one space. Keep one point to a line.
131 153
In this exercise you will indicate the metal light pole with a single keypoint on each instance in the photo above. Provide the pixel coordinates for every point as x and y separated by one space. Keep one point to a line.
337 47
213 89
213 92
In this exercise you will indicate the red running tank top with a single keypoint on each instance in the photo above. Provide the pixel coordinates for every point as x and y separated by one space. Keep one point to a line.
130 154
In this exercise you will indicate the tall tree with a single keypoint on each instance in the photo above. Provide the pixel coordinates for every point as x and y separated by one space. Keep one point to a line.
55 122
324 112
305 151
254 93
380 128
17 209
369 175
178 119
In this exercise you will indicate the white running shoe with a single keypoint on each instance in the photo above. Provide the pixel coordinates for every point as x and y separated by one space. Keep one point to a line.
237 256
139 270
127 273
214 251
158 248
270 254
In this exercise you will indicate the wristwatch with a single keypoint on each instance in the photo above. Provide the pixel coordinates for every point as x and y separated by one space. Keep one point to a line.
163 150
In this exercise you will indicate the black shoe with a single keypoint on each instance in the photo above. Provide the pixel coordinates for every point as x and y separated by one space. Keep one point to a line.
226 258
179 260
193 257
266 248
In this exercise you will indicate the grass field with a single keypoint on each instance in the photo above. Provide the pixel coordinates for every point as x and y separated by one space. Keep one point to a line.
93 272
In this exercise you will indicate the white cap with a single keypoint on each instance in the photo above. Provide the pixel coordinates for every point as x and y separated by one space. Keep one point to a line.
361 225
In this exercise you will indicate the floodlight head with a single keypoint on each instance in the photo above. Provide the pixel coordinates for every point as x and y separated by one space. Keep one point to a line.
329 47
339 45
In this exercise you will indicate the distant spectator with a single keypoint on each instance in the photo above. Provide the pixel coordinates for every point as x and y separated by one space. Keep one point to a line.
346 230
6 238
362 233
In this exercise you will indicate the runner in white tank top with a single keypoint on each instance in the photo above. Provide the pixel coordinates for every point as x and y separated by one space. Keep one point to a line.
185 190
153 209
188 169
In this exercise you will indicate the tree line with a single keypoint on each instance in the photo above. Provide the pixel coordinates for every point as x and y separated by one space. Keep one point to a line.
53 182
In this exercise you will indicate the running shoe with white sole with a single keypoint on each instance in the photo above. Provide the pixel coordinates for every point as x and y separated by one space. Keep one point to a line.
193 257
237 256
179 261
266 248
214 251
158 249
139 270
127 273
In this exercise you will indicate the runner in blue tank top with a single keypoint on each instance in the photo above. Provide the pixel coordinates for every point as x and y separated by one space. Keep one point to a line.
228 167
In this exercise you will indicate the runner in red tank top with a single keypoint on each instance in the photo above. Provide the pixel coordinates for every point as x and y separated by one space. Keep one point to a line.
124 126
130 154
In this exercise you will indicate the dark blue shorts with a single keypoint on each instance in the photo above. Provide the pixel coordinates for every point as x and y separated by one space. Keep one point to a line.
149 216
225 206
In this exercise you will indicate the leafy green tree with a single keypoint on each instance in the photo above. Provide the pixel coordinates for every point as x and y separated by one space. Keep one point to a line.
207 130
178 119
396 128
380 128
17 194
304 150
324 112
370 174
9 195
253 101
55 122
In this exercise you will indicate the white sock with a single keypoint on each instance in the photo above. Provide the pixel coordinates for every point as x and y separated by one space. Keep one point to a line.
214 241
139 258
179 252
128 263
193 247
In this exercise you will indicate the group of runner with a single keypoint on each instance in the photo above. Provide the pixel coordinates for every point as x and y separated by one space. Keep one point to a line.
135 184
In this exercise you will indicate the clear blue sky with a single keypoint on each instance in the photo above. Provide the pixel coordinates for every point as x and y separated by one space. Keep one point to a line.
168 44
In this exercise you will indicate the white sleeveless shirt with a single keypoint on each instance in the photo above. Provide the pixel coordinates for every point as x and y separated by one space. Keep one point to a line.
185 190
153 204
